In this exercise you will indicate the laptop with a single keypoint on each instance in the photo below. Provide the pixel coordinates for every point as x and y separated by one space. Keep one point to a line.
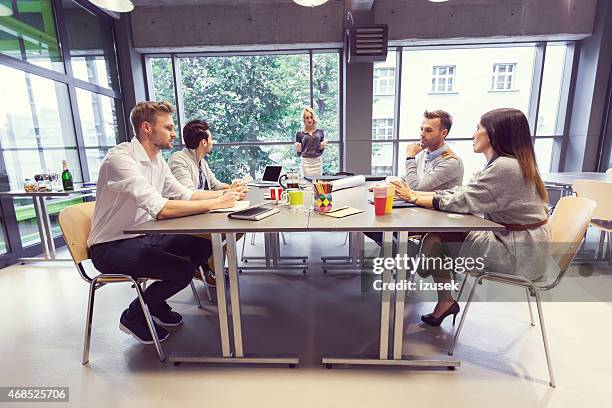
270 177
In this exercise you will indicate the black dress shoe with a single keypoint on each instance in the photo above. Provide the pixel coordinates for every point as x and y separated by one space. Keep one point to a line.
433 321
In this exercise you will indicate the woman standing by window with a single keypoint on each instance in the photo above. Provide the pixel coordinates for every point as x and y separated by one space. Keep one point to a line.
310 144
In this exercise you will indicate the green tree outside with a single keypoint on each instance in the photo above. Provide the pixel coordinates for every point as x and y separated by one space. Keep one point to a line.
255 99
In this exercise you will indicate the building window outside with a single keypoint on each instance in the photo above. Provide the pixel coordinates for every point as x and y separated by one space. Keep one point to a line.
502 78
384 81
443 79
382 129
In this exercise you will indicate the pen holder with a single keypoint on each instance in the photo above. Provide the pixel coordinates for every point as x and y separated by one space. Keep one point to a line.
322 202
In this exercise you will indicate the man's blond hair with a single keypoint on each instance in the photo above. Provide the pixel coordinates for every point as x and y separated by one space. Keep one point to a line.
147 112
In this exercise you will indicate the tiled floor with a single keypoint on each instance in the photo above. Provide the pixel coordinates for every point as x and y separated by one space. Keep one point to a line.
502 359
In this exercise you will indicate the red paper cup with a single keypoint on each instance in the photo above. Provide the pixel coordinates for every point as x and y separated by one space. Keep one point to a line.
380 199
379 205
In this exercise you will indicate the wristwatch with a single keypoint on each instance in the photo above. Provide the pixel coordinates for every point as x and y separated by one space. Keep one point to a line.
412 201
409 158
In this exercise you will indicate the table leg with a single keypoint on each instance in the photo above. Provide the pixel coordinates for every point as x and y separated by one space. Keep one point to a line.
42 231
217 245
272 259
234 284
47 227
385 300
398 328
400 297
238 357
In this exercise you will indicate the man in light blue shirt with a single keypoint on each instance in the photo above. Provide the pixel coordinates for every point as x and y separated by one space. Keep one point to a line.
431 165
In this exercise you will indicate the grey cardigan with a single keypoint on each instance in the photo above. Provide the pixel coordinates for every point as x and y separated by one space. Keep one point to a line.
184 166
443 173
501 194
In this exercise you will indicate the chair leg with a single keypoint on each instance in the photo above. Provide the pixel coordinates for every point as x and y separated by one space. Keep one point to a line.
253 238
600 250
346 238
610 248
282 234
242 253
465 279
195 294
463 316
411 278
205 285
149 320
530 308
88 321
544 338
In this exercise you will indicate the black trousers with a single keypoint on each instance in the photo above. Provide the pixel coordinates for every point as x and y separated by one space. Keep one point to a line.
155 256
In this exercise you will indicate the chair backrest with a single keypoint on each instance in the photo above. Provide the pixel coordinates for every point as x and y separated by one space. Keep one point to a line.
568 224
75 222
598 191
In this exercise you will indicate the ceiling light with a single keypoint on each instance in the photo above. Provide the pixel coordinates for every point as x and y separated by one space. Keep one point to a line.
310 3
120 6
438 1
5 10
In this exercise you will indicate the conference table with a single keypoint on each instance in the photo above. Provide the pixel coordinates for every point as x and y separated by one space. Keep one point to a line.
403 221
42 217
564 181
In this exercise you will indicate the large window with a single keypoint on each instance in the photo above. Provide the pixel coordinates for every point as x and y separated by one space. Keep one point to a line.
253 104
491 77
62 102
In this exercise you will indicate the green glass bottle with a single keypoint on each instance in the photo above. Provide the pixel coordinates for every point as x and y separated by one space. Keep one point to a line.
66 177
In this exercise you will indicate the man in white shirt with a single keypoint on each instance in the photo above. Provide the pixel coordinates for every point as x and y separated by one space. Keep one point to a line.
136 185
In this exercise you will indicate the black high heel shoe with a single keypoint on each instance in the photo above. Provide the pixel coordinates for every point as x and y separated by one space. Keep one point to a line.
432 321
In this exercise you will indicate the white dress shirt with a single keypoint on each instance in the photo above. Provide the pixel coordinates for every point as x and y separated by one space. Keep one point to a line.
132 189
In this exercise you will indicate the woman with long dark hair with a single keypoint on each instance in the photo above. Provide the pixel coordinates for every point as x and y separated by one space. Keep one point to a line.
508 191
